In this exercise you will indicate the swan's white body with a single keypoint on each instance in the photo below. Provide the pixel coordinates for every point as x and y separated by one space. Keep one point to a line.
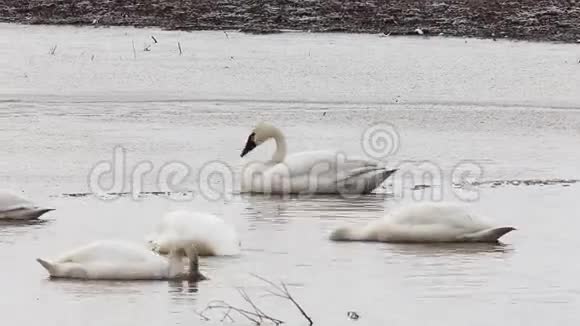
310 172
426 222
115 260
211 235
14 207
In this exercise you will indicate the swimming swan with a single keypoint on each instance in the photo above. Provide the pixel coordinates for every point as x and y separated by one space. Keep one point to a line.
426 222
322 172
120 260
211 235
14 207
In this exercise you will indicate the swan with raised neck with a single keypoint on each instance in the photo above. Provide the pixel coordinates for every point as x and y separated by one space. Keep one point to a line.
263 132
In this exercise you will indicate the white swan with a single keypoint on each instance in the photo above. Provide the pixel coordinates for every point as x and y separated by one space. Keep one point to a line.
211 235
120 260
14 207
426 222
321 172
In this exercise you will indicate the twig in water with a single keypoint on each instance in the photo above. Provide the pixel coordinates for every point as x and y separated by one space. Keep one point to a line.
247 298
257 316
134 52
147 47
154 39
227 36
179 47
254 317
284 293
52 49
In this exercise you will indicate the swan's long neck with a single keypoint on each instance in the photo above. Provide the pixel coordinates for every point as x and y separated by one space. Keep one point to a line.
280 153
175 263
193 273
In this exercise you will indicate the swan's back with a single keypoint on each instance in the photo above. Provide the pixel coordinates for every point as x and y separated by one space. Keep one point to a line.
109 251
210 234
322 172
109 259
11 201
424 222
443 214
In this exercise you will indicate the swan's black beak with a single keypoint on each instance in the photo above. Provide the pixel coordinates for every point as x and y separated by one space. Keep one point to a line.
250 144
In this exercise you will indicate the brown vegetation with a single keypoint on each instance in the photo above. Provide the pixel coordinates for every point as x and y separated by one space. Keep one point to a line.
517 19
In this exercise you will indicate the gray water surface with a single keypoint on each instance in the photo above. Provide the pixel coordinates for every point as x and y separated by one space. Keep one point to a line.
510 109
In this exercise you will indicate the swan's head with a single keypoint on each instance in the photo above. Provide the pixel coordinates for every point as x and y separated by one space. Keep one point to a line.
342 234
259 135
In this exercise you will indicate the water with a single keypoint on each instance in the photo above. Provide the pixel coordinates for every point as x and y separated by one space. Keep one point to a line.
509 109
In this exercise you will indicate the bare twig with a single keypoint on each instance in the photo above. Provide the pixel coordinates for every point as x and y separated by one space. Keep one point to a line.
154 39
257 316
284 293
254 317
247 298
227 36
53 49
227 315
200 314
179 47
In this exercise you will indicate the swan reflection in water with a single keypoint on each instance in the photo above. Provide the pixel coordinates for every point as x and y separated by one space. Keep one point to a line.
283 208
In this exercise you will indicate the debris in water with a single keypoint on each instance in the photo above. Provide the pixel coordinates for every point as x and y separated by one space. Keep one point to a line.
419 31
353 315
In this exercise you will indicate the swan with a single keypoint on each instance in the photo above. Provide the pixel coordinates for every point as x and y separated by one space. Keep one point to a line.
14 207
120 260
211 235
424 222
320 172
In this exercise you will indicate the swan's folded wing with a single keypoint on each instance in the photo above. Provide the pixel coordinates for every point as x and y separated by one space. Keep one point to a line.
321 163
110 251
11 202
451 215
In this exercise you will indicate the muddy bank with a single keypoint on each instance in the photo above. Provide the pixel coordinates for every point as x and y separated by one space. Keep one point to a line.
540 20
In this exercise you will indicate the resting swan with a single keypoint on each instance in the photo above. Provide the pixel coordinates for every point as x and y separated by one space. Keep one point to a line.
120 260
14 207
426 222
211 235
322 172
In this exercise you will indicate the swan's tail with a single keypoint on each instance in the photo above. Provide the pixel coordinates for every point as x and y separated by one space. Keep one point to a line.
490 235
47 265
39 212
